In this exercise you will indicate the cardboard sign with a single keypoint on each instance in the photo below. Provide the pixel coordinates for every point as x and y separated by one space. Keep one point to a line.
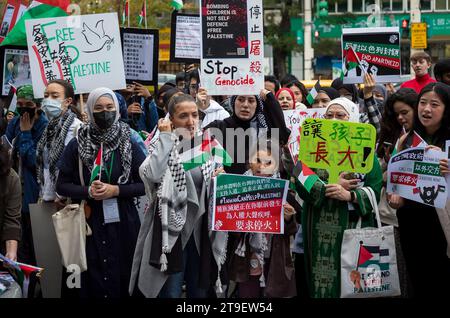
378 53
294 120
88 54
337 146
232 47
248 204
140 55
185 38
415 175
15 68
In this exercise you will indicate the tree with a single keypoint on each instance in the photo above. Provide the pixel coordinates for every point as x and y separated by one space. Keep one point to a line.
279 34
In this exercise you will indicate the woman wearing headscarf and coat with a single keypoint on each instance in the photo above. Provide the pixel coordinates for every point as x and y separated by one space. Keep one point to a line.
175 243
327 213
110 211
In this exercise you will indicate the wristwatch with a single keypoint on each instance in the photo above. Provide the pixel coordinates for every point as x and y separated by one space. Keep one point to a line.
352 196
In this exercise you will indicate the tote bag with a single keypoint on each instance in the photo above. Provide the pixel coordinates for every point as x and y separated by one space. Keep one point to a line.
368 260
71 231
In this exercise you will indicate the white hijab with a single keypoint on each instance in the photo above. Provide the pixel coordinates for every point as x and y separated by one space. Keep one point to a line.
95 95
350 107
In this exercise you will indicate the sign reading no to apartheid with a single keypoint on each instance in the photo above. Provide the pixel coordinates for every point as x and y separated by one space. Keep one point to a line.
337 146
294 119
378 53
232 47
248 204
415 175
87 53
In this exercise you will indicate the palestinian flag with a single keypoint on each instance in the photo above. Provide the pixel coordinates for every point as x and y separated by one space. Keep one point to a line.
194 152
373 255
143 14
351 61
11 100
37 10
305 175
177 4
313 93
218 153
97 169
416 142
125 12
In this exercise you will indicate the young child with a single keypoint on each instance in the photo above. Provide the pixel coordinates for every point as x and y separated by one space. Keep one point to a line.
261 264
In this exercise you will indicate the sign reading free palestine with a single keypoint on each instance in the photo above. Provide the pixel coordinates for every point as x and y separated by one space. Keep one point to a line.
85 51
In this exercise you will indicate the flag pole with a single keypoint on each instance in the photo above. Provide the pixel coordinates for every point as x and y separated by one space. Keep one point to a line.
101 162
145 11
128 13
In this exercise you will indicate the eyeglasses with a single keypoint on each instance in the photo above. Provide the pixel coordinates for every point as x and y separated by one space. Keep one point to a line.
193 86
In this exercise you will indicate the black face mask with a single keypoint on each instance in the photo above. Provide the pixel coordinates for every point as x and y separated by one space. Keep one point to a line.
22 110
104 119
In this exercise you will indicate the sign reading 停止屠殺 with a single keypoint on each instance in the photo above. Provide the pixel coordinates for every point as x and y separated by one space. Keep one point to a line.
294 119
248 204
414 174
337 146
85 53
232 47
371 50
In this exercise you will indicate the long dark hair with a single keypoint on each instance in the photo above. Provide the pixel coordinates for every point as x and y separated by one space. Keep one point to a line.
301 87
443 133
390 128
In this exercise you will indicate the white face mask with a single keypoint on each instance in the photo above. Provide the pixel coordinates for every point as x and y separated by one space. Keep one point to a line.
52 107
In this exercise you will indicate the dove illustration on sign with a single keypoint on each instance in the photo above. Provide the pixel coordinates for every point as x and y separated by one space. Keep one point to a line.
96 37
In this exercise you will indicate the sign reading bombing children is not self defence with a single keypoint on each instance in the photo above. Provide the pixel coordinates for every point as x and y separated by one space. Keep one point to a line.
88 51
337 146
232 47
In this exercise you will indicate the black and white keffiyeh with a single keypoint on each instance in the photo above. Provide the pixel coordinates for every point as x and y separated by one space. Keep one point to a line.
53 138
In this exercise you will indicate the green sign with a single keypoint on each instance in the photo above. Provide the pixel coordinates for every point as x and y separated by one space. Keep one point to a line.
337 146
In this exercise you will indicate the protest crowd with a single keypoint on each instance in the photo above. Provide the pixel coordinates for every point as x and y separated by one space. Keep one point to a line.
148 173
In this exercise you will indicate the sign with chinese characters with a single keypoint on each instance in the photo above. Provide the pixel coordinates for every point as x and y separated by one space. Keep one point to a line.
87 53
232 47
185 38
337 146
377 52
248 204
140 55
419 35
414 174
16 69
294 119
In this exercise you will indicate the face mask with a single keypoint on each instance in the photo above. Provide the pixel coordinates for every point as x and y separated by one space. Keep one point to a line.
104 119
52 107
23 110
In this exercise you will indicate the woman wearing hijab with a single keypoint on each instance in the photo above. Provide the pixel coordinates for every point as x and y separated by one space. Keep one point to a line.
324 96
327 213
253 117
64 122
287 100
175 243
110 209
369 108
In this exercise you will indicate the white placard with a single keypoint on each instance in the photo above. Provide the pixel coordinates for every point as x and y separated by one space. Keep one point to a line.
88 54
138 51
232 47
187 37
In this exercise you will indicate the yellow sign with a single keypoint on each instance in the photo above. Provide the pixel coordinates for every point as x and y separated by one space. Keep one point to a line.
337 146
419 35
164 44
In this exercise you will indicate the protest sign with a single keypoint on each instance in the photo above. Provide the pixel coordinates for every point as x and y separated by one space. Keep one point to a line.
185 38
12 13
337 146
372 50
414 174
88 54
46 248
232 47
140 55
15 68
248 204
294 119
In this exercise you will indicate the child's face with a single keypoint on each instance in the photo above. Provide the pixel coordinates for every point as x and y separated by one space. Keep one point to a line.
263 164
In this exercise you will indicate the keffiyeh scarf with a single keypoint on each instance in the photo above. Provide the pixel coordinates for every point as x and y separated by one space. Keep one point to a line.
53 138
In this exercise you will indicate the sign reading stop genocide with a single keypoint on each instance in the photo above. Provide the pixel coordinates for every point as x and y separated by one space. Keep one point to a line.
232 47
